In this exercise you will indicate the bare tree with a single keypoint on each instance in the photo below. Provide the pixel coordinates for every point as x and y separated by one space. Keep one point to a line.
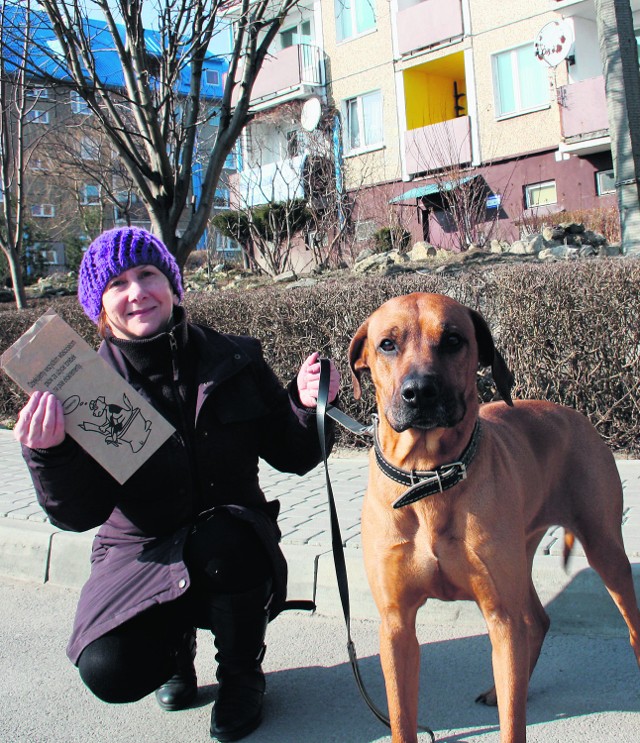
16 105
153 108
97 188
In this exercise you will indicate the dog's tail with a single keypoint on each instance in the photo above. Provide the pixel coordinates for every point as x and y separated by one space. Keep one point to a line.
569 541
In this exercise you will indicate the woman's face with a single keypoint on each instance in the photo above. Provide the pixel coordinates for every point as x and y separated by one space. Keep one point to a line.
138 303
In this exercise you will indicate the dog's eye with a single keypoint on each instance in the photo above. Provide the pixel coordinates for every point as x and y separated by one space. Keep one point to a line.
387 345
452 341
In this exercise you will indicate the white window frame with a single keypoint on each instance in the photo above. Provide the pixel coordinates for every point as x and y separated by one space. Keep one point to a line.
300 33
49 256
78 104
89 149
531 189
603 175
347 107
354 5
37 116
518 84
85 199
216 75
37 93
43 210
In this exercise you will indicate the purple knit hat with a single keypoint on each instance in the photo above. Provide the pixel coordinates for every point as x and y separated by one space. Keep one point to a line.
116 251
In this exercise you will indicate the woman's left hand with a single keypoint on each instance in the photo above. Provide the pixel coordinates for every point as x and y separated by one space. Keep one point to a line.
309 381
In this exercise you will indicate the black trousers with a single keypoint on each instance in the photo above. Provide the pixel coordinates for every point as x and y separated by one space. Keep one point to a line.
224 556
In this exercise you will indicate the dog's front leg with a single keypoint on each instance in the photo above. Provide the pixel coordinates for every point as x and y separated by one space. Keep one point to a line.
510 658
400 658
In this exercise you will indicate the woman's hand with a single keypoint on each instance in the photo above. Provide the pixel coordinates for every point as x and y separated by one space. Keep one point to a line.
41 422
309 381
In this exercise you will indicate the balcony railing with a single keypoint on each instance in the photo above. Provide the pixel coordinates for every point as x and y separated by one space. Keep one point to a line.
583 107
428 23
294 69
438 146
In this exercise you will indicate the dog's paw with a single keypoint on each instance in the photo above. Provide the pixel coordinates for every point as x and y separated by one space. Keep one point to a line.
489 698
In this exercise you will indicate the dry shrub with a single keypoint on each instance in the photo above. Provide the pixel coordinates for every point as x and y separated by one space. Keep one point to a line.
569 331
604 220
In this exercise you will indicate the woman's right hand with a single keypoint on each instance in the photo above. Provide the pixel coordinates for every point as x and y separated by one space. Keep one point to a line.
41 422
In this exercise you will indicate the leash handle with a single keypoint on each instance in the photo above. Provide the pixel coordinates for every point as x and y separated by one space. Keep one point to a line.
323 408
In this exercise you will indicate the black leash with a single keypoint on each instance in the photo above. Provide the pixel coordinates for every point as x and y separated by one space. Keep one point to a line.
322 410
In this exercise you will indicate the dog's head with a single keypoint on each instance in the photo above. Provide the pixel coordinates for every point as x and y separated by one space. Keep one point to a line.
422 352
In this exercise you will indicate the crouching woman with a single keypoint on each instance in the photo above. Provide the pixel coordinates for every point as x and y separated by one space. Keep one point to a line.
189 540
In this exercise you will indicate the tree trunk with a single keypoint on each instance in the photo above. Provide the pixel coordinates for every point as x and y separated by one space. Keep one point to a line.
16 280
618 49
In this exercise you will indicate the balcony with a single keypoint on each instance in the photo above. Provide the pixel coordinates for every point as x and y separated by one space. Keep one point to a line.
583 108
437 146
428 23
272 182
294 72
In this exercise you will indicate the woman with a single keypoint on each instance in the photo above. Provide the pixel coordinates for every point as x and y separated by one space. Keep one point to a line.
189 540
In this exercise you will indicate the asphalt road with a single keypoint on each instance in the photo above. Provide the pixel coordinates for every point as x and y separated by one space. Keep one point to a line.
586 687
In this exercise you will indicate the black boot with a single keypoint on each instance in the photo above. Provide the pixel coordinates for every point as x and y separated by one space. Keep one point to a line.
182 687
239 623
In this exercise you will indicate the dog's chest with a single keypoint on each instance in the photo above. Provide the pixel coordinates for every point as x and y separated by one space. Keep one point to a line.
437 553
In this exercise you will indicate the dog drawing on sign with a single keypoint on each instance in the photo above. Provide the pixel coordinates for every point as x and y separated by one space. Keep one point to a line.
460 495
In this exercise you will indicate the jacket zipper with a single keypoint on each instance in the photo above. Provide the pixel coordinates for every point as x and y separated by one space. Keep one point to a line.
186 437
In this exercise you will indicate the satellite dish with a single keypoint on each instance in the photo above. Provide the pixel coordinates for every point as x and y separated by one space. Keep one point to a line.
554 43
310 115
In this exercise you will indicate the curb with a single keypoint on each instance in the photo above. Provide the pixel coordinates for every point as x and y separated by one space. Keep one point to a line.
576 601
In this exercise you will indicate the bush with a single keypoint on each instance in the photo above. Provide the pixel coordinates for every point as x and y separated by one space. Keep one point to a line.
603 220
391 238
569 331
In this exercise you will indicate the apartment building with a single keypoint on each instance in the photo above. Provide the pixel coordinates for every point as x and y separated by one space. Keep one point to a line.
76 184
416 98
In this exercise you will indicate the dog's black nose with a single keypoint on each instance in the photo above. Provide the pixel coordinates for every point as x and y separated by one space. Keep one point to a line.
417 391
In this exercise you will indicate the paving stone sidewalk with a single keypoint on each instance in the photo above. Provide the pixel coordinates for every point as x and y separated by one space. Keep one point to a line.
32 549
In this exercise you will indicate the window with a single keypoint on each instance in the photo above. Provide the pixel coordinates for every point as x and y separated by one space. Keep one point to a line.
89 150
212 77
43 210
90 194
37 117
295 142
296 35
363 118
354 17
37 93
521 83
49 257
79 105
605 182
540 194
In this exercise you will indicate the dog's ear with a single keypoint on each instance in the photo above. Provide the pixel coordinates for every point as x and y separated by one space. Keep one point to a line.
356 361
488 355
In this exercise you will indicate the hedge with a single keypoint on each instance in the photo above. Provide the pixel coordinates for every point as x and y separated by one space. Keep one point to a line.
569 331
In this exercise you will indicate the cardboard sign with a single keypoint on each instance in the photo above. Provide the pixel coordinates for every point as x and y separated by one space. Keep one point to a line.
102 412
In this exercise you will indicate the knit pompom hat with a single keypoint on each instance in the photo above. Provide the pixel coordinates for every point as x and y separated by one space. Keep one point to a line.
116 251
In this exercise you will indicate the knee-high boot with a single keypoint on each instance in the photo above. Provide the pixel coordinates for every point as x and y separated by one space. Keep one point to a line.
239 623
182 687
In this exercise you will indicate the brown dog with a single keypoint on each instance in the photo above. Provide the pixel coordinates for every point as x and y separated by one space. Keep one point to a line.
530 465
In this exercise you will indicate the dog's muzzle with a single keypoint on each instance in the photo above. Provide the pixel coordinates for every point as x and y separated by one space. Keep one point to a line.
424 402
